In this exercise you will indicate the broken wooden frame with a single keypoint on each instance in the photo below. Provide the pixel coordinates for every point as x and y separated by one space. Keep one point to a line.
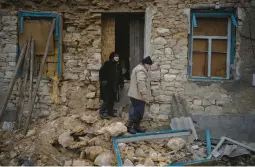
146 136
201 162
58 28
230 140
230 44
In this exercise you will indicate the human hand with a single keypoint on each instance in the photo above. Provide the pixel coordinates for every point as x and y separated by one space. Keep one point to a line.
104 83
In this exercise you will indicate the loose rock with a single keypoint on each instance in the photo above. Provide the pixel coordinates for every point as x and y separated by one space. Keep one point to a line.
127 162
78 163
78 144
122 146
176 143
148 162
153 153
93 152
89 119
139 153
30 133
65 139
105 159
114 129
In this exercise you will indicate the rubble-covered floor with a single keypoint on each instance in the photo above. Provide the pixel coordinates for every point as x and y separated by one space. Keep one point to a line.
85 139
61 138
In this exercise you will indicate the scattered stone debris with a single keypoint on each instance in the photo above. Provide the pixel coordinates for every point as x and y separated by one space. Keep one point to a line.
82 145
154 152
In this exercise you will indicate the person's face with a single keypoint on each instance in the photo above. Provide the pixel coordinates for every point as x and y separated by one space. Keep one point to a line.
147 66
116 58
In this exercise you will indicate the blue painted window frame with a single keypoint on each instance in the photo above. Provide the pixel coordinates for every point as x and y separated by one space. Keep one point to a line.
116 146
22 14
231 16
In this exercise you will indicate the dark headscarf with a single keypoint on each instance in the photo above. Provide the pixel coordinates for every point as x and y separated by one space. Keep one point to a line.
112 55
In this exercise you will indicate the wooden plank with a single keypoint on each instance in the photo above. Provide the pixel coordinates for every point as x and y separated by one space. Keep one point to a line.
219 45
136 42
36 59
11 85
39 30
218 64
211 27
31 105
200 45
108 37
23 85
32 57
199 66
60 58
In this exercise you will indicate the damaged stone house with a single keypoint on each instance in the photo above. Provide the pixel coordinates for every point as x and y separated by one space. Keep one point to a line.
203 51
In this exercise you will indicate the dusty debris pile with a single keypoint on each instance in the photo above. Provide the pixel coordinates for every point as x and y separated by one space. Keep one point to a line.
157 152
72 139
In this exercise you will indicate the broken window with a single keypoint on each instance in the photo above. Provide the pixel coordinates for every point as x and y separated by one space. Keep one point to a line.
36 26
211 45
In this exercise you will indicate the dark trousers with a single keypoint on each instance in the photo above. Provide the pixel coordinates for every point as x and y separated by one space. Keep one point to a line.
107 107
108 102
137 110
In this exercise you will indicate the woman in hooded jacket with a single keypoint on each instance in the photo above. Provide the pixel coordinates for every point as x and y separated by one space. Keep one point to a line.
111 80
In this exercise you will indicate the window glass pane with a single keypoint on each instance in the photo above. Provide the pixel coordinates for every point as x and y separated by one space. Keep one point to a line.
200 45
219 45
211 26
218 65
200 64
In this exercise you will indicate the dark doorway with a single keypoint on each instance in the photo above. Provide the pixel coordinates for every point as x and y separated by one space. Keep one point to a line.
129 40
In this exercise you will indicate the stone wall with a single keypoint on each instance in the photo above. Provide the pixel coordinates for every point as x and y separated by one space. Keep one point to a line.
79 90
8 46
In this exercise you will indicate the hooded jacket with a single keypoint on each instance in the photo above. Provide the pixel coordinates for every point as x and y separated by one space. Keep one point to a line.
110 77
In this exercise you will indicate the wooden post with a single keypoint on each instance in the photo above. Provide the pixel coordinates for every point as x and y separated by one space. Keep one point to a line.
31 104
61 48
11 85
23 85
31 71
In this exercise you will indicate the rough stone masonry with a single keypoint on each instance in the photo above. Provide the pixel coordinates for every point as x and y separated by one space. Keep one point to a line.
168 46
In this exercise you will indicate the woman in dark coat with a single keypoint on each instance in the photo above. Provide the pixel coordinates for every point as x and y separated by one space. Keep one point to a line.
110 77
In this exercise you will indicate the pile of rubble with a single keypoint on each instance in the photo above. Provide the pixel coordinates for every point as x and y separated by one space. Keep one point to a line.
73 139
86 140
155 152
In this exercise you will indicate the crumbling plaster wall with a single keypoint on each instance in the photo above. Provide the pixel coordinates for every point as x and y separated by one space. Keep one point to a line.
79 89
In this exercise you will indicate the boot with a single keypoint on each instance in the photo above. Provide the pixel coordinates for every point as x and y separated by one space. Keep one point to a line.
138 128
104 115
130 128
113 113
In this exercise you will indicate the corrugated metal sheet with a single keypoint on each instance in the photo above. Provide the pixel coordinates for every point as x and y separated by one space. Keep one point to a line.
182 123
